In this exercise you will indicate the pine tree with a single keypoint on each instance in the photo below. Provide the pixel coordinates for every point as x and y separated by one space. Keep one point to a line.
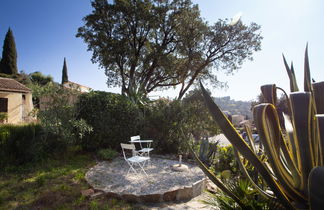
64 73
9 55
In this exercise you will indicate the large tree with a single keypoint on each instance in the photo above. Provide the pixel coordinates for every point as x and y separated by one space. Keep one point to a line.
145 45
8 64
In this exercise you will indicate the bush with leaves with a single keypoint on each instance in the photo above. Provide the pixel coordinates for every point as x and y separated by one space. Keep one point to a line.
200 121
225 160
163 122
107 154
113 117
58 115
21 143
245 192
3 117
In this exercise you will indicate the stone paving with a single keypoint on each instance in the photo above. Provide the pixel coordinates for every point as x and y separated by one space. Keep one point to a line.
162 184
193 204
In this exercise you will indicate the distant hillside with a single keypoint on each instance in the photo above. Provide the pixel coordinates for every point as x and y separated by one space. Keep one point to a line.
234 107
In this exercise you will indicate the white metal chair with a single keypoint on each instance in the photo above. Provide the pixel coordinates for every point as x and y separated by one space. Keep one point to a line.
144 151
135 159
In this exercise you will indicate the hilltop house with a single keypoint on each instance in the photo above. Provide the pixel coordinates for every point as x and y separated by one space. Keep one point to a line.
76 86
15 100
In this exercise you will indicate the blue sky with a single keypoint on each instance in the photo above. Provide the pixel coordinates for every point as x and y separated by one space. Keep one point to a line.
45 33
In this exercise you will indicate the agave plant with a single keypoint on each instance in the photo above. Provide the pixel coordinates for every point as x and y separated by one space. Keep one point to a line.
290 152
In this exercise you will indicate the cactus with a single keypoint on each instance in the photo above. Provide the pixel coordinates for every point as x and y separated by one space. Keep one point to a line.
290 152
203 150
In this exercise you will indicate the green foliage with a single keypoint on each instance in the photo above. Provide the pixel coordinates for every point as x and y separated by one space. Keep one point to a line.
244 189
164 120
21 77
40 79
59 117
225 160
149 45
106 154
21 144
52 184
203 150
64 73
39 91
9 55
200 123
59 128
114 118
3 117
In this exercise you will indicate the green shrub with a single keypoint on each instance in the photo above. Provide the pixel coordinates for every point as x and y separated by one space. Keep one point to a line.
3 117
20 143
200 122
113 117
164 122
244 189
58 115
107 154
225 160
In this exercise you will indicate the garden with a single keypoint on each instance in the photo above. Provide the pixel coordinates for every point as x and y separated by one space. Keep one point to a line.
44 163
72 149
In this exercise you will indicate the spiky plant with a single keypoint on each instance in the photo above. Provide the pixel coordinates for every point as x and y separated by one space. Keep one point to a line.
290 152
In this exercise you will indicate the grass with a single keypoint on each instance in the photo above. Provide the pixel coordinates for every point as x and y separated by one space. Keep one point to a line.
55 183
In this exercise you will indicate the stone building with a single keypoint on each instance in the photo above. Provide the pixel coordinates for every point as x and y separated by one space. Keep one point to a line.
76 86
15 101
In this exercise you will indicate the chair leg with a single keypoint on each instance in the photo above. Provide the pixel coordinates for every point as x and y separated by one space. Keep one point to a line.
131 168
141 166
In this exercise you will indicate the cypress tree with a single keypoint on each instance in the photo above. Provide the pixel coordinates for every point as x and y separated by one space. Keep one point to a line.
64 73
9 55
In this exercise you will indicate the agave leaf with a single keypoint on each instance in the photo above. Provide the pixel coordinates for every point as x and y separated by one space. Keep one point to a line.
302 112
318 106
291 75
269 93
267 122
214 179
307 77
290 136
237 141
320 126
318 91
247 175
249 137
316 191
287 100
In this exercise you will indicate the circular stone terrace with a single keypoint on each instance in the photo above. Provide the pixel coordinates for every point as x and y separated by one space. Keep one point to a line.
163 184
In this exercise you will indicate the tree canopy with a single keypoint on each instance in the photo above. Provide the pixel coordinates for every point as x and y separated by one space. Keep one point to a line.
40 79
146 45
8 64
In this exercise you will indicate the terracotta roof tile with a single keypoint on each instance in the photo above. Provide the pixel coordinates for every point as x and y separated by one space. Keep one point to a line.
11 85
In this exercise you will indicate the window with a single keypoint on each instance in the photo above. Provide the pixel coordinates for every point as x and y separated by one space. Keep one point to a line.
3 105
23 99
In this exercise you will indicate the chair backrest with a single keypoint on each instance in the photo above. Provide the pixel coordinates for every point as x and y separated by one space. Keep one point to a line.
134 138
127 147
